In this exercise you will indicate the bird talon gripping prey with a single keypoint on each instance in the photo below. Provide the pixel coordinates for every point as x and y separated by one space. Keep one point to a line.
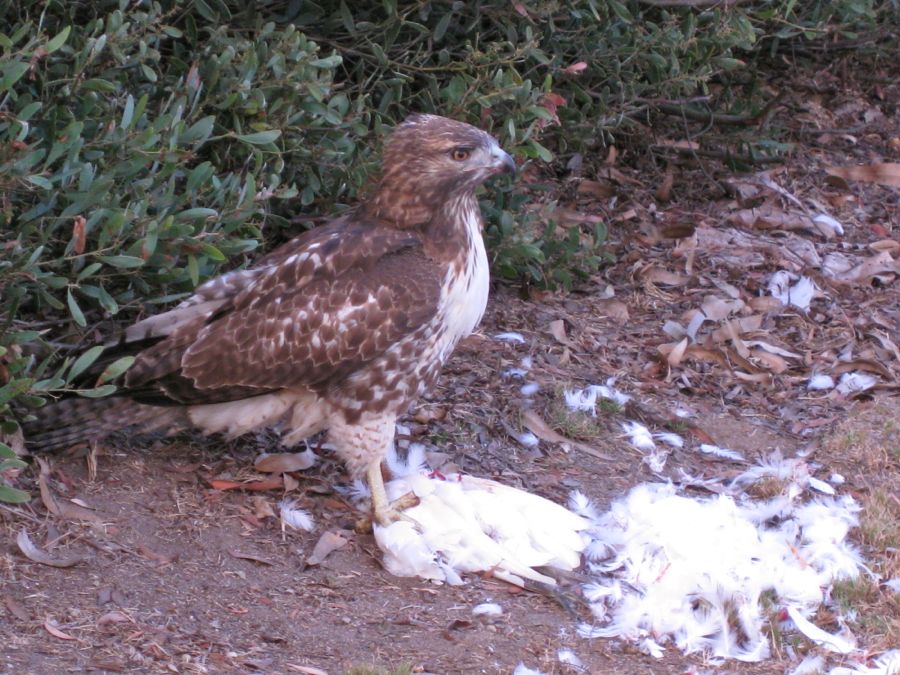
338 330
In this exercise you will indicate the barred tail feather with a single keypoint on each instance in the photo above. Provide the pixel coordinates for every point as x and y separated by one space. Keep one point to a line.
71 421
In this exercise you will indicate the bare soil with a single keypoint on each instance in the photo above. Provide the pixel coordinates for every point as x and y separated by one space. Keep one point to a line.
179 577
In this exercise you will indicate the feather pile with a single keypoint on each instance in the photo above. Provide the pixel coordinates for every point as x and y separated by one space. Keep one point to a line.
695 571
467 524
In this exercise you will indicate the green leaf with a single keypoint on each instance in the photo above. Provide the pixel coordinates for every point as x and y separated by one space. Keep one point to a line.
328 62
114 369
83 362
441 28
75 310
40 181
260 137
199 131
12 464
127 113
11 495
96 84
7 452
59 40
12 73
197 214
122 261
98 392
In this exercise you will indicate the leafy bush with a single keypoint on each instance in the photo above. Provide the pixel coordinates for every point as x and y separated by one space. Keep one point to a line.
144 145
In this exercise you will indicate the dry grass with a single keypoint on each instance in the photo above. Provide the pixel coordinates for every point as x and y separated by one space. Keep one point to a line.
866 448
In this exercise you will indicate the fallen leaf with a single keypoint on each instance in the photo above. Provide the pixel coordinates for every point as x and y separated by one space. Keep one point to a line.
114 616
16 608
882 173
250 556
542 430
329 542
32 552
50 627
309 670
664 191
149 553
558 331
62 508
285 462
272 483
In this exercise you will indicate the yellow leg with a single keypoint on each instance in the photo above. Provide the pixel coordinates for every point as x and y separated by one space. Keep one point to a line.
383 512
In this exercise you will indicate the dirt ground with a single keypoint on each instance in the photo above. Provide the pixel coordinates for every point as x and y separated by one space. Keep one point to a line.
177 576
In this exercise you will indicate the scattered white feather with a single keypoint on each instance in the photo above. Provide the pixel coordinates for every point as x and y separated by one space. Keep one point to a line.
820 486
818 382
837 479
522 669
510 337
465 524
834 643
814 664
585 399
569 658
829 223
724 453
656 460
670 439
526 438
530 389
295 518
487 609
855 381
886 664
527 362
638 435
518 373
693 571
799 295
893 584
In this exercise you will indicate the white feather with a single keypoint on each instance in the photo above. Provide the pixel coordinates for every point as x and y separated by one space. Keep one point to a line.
467 524
569 658
510 337
522 669
295 518
487 609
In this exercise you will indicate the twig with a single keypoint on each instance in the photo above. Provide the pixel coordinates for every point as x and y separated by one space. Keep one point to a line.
710 117
723 155
693 3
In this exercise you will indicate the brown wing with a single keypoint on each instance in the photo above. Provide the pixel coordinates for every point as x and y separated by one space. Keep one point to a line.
319 313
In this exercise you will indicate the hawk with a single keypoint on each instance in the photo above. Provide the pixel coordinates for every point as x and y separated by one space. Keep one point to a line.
339 330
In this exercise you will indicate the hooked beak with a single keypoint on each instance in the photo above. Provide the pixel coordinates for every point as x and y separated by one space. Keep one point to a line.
501 162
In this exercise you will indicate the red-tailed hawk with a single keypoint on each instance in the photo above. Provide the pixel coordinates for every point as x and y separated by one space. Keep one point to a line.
338 330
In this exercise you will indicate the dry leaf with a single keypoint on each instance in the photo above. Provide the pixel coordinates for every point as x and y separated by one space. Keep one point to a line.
881 173
542 430
328 543
558 331
273 483
676 354
16 608
285 462
50 627
262 507
114 616
62 508
596 189
250 556
614 309
309 670
664 191
658 275
32 552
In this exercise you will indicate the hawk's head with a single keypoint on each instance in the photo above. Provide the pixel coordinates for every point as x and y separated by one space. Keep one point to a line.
430 160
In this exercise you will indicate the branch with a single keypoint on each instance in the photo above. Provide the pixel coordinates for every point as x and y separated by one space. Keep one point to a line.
693 3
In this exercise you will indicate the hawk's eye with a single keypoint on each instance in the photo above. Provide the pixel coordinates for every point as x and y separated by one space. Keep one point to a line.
461 154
